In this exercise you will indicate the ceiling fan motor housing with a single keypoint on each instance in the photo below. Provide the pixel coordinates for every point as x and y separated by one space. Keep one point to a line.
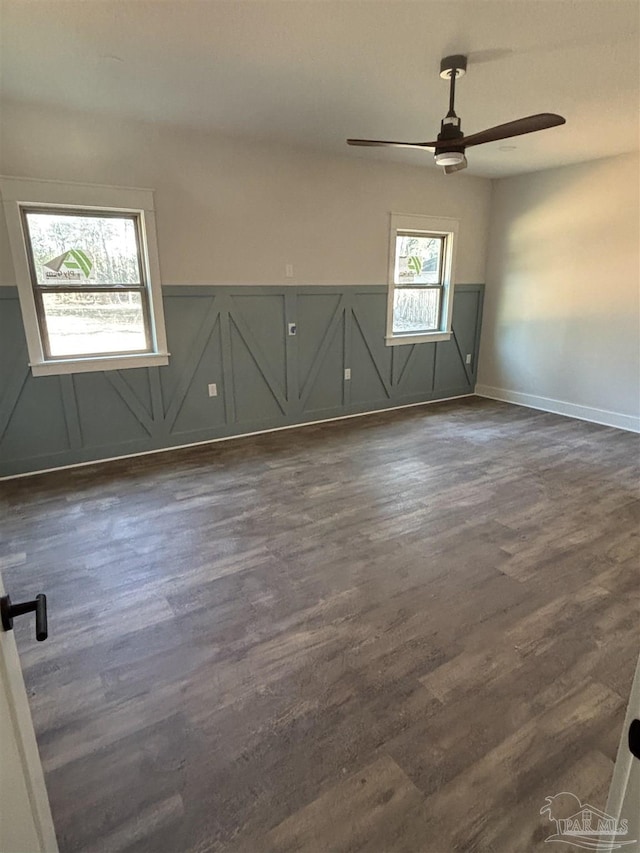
450 128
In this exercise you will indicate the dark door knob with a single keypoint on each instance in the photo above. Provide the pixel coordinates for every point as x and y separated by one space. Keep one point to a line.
634 738
9 611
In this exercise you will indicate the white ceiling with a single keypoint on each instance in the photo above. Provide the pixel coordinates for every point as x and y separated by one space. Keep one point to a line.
313 73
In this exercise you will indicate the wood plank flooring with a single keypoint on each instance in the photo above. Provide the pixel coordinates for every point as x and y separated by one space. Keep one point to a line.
393 634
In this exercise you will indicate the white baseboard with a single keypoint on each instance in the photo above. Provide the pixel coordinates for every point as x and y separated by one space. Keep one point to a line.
560 407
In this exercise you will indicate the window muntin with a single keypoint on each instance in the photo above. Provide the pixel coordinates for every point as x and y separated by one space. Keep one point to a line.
89 282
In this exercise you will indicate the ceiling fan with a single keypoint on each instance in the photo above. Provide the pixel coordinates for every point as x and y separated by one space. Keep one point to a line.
450 145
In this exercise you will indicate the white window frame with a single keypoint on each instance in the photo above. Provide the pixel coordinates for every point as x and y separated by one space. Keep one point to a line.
429 226
19 194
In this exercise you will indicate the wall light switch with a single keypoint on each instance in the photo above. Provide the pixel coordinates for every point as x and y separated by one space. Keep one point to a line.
213 389
288 270
347 373
292 328
468 358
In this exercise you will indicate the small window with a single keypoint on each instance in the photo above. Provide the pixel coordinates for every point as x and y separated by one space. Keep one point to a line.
90 301
420 292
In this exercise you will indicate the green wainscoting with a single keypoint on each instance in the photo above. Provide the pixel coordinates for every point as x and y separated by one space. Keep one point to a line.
236 337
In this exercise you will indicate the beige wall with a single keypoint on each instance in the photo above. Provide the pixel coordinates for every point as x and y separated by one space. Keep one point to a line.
235 212
562 314
561 310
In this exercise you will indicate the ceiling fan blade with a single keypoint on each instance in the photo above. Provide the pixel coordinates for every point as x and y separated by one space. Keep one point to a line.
458 166
530 124
384 142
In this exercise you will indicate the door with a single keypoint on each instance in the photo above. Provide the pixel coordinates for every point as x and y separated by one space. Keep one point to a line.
25 816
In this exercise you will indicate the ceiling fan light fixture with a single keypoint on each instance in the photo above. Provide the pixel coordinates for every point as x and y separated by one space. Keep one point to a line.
449 158
451 136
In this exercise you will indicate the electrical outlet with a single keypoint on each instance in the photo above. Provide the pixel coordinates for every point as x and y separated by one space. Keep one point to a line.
288 270
347 373
213 389
292 328
468 358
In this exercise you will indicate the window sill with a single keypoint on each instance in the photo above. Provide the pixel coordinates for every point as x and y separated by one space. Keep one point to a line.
422 338
55 367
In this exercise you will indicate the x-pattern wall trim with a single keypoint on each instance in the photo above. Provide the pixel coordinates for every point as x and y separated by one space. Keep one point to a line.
71 414
386 384
135 406
19 374
259 358
199 344
322 350
357 313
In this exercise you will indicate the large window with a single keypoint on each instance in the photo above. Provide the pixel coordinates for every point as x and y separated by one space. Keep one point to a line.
420 279
87 276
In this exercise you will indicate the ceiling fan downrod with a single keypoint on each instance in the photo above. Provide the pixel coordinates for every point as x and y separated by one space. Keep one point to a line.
452 67
446 154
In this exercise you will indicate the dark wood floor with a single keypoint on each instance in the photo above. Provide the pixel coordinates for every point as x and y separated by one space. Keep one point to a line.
395 633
